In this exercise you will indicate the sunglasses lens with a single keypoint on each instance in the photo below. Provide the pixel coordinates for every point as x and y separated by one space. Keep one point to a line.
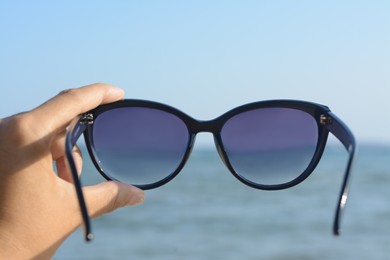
138 145
270 146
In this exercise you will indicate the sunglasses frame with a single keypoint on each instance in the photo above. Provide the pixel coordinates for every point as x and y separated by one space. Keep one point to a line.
326 121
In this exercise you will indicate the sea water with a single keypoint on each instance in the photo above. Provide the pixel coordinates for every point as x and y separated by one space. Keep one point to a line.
205 213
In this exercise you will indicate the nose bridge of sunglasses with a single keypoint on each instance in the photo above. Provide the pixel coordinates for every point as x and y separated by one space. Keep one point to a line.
203 129
202 126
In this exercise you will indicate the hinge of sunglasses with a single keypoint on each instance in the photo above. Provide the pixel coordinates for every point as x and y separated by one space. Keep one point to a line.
86 119
325 120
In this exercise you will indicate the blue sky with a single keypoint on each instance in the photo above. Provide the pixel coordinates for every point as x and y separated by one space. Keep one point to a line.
204 57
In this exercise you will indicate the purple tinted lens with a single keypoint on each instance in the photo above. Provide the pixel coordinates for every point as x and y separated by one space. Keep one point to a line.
270 146
139 145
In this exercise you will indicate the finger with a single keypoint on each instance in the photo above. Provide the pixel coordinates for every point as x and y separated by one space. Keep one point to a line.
60 110
58 155
63 170
57 148
109 196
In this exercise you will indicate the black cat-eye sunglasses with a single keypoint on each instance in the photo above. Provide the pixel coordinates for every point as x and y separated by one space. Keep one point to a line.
267 145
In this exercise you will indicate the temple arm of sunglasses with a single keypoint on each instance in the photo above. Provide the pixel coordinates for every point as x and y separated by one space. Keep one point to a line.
75 130
344 134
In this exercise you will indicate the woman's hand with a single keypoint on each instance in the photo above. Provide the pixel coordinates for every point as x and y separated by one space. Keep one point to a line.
39 208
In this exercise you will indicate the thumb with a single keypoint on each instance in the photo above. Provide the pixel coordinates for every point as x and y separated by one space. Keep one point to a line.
108 196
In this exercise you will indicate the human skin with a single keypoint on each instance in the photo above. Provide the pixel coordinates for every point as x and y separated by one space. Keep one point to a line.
39 207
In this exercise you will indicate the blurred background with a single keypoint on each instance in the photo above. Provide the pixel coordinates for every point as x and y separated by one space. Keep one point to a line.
206 57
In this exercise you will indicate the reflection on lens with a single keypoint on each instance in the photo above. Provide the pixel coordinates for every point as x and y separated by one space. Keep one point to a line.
138 145
270 146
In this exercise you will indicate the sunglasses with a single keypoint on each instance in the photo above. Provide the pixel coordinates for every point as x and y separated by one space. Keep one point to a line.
268 145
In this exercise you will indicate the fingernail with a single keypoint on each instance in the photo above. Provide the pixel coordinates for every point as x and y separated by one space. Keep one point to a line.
116 90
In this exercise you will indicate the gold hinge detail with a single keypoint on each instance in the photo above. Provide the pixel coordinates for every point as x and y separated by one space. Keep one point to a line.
86 119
